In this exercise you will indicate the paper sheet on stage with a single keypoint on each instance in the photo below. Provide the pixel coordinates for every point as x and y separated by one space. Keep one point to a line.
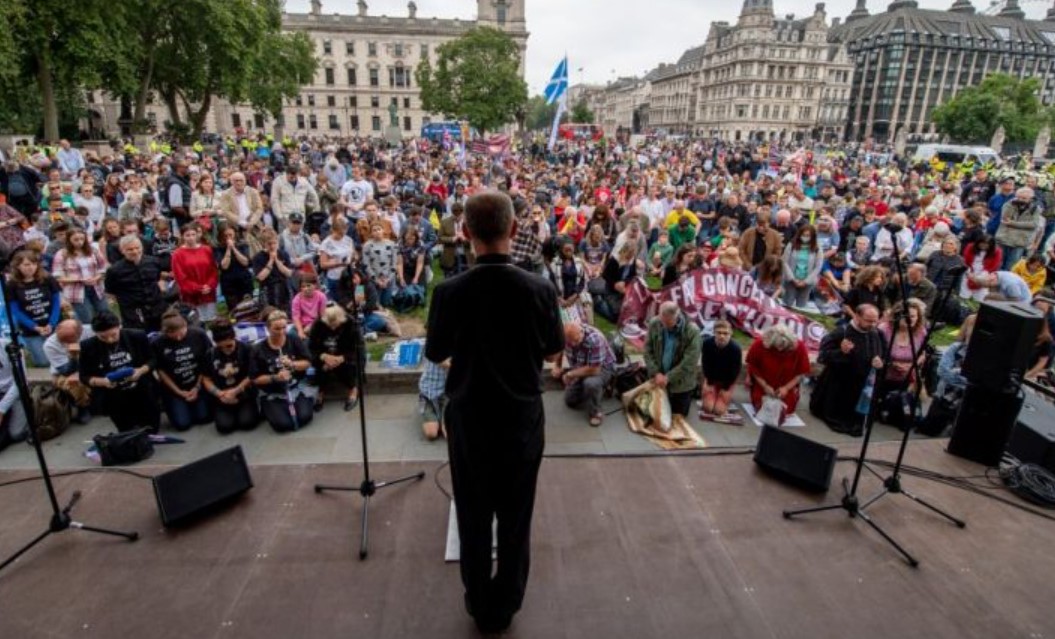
453 551
791 421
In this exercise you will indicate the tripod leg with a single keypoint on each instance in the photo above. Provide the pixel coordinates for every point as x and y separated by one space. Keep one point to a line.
890 540
788 514
321 487
39 538
130 536
880 495
415 476
959 522
365 532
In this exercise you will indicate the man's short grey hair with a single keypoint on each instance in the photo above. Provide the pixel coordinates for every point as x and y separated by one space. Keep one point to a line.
1025 193
668 309
128 240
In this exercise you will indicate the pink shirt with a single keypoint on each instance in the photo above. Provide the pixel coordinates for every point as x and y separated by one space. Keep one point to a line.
307 309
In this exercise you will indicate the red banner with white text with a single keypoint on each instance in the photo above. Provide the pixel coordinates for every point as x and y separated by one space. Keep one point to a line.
708 294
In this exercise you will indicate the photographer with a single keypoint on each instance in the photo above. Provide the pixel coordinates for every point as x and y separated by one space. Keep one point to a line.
117 362
277 367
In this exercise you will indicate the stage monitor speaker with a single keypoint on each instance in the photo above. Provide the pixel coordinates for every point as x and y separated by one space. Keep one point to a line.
201 487
1033 438
795 460
983 424
1002 341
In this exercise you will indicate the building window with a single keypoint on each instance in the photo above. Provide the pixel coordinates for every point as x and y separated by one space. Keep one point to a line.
397 50
327 47
398 76
355 122
258 120
334 124
300 120
424 52
236 120
298 101
329 76
351 77
394 102
406 122
375 123
331 100
349 47
375 102
371 49
311 99
406 103
500 13
353 101
313 122
374 79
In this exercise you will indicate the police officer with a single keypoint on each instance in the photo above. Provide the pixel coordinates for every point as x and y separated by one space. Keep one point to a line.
498 323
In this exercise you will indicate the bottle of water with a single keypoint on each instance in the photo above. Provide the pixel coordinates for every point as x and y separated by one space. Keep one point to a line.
864 402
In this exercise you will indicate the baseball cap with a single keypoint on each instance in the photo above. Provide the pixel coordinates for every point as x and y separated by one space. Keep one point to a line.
296 218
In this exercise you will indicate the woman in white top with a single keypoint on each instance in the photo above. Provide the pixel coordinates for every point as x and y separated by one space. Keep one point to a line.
336 253
884 243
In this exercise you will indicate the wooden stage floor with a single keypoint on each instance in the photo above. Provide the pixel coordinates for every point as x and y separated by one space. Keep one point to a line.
668 547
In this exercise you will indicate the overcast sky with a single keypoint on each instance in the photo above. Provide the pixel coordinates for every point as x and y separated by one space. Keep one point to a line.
612 38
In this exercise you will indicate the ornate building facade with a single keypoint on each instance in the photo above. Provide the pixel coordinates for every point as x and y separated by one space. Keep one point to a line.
366 64
909 60
769 78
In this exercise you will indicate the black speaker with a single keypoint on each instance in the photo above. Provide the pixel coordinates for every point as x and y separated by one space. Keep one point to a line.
1033 438
983 424
1002 341
189 492
795 460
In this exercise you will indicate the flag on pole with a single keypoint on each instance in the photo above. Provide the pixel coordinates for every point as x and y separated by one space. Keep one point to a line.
558 84
562 106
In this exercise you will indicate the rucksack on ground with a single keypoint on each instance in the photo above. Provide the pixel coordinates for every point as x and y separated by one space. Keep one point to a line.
51 411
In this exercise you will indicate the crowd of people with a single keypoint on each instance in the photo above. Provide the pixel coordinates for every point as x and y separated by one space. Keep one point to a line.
133 268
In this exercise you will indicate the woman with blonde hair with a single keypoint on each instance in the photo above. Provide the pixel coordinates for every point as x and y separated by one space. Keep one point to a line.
335 354
776 363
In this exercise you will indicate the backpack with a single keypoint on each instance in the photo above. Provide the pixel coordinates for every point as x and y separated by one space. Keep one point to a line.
51 410
17 186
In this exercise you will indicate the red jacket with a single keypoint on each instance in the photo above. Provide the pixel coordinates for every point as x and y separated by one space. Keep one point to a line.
990 264
194 268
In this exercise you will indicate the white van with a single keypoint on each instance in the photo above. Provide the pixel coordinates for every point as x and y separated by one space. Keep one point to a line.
956 154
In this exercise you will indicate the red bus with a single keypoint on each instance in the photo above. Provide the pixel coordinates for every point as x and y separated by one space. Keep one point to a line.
570 131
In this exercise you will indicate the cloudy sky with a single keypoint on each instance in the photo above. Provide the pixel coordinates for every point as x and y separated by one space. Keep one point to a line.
612 38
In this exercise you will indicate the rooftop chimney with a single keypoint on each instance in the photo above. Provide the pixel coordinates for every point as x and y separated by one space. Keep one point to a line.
860 11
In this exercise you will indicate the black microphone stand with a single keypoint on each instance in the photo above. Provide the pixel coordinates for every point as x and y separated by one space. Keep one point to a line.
368 486
850 502
61 519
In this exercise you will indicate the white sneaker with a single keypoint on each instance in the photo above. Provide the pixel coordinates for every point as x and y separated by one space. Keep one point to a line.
371 336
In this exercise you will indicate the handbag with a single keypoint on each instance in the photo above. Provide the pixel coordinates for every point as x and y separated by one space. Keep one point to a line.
119 449
771 412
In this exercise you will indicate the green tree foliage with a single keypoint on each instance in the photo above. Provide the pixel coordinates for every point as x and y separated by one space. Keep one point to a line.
581 114
538 114
977 112
477 78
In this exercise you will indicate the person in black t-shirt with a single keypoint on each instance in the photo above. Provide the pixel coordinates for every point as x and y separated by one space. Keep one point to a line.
35 303
868 289
334 346
722 360
181 354
117 362
227 380
499 323
277 366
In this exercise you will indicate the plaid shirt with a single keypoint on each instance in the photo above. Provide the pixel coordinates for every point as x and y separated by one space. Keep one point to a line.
593 350
526 245
433 380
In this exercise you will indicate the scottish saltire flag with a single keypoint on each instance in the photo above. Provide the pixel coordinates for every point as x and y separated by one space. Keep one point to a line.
558 84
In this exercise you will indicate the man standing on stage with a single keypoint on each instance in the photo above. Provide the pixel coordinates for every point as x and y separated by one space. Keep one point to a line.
498 323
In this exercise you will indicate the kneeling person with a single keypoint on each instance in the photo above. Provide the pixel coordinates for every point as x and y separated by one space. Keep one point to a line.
228 381
181 354
588 365
117 363
278 365
722 361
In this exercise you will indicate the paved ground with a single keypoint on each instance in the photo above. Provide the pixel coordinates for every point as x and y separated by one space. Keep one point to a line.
393 426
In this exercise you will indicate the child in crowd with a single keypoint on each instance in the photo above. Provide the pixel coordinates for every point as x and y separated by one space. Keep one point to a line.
1031 270
308 304
660 254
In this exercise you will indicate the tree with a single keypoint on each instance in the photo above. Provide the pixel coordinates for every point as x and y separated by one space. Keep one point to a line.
581 114
477 78
977 112
538 114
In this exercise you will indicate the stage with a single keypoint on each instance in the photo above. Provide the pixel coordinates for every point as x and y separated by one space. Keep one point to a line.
664 547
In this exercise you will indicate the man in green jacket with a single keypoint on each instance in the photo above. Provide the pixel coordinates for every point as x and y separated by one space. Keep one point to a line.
672 355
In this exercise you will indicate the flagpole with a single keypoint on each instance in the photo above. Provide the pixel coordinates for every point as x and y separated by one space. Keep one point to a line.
562 106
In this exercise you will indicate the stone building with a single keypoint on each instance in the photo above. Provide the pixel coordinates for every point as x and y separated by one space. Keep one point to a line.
366 63
672 104
769 78
908 60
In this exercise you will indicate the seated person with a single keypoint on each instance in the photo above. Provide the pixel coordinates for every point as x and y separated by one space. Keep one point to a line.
1003 286
433 398
308 304
357 293
116 362
836 278
273 269
334 346
181 354
950 375
1031 270
227 381
588 366
722 360
63 351
14 427
568 274
619 271
776 364
277 366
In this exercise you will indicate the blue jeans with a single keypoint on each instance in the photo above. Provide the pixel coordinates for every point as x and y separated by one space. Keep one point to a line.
385 295
183 414
374 323
1012 254
35 349
90 307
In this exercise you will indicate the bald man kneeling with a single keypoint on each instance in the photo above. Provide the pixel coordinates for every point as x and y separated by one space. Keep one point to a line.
588 364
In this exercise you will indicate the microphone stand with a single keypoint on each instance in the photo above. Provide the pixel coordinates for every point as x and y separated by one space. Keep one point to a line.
61 519
851 502
368 486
